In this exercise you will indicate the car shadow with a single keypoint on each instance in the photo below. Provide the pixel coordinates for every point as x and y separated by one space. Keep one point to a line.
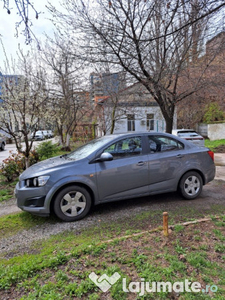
146 201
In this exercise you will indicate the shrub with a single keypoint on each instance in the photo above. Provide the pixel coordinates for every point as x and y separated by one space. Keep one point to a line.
14 165
46 150
34 157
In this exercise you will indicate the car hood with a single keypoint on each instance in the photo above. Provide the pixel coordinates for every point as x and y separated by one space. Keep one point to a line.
45 166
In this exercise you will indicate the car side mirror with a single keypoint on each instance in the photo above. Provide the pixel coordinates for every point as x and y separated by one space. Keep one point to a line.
106 156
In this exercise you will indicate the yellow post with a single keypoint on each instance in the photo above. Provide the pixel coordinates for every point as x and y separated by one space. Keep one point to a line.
165 224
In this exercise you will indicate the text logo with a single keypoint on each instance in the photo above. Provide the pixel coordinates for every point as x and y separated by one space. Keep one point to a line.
104 282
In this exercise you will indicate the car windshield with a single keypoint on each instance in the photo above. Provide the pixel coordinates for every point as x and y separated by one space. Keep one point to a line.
89 148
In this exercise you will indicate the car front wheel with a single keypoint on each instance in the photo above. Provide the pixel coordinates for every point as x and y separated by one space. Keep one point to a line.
191 185
72 203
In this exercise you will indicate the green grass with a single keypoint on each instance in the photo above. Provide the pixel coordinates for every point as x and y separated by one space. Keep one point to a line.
59 267
213 144
13 223
6 189
5 194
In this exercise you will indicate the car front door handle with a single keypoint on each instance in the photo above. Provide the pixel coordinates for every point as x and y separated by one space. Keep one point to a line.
179 156
141 163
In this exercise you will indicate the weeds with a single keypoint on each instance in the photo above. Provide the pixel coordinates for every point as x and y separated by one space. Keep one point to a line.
59 268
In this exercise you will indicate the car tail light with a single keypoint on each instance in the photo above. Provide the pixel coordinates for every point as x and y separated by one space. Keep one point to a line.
211 154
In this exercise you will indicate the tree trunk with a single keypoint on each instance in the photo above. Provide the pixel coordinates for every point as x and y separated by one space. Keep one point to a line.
60 131
168 115
113 120
27 162
169 124
68 140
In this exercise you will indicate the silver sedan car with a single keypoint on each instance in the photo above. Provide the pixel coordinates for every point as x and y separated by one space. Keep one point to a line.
190 135
114 167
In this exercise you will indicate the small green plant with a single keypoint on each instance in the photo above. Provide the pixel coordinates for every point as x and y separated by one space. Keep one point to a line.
178 228
46 150
179 249
198 260
220 248
197 238
204 247
5 195
61 276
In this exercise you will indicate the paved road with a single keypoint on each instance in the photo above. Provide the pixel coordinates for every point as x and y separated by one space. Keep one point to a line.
11 148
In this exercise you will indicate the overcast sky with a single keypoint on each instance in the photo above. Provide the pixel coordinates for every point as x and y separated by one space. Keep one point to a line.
7 28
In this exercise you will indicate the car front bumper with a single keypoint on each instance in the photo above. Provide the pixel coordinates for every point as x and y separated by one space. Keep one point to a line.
32 200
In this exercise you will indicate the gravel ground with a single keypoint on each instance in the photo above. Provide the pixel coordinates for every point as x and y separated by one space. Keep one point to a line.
213 194
25 238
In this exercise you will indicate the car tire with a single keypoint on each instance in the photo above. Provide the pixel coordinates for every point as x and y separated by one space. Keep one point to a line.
2 147
190 185
72 203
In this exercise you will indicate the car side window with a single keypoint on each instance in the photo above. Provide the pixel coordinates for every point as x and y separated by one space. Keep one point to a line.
162 144
125 148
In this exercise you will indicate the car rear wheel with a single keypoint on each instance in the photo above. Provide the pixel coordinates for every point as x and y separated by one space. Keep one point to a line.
72 203
191 185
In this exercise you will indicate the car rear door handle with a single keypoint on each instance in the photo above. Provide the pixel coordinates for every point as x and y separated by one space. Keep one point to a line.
179 156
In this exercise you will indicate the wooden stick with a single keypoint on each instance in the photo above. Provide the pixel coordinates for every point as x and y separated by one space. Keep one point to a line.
165 224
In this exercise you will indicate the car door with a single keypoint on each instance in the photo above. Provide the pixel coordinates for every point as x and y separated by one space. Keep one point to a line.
127 174
165 163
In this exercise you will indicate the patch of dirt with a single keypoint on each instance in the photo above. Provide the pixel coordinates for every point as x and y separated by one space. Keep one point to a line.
219 149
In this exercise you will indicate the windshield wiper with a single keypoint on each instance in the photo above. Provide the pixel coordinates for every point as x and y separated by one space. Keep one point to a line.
64 155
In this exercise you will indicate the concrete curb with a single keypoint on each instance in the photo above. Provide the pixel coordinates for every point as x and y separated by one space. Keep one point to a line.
219 159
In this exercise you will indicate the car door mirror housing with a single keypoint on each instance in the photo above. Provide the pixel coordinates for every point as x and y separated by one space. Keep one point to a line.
106 156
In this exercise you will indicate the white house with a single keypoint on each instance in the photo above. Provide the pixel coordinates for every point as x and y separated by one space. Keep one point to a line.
132 109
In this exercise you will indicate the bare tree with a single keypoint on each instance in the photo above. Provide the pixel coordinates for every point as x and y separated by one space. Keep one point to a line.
154 41
23 9
105 91
109 112
68 99
23 103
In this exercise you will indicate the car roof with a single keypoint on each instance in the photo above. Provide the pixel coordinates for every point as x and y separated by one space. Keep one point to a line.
135 133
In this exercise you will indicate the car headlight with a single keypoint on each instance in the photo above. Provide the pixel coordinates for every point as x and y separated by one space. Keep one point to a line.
37 181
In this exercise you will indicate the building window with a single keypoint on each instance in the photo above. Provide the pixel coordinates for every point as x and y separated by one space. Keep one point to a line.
130 123
150 121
